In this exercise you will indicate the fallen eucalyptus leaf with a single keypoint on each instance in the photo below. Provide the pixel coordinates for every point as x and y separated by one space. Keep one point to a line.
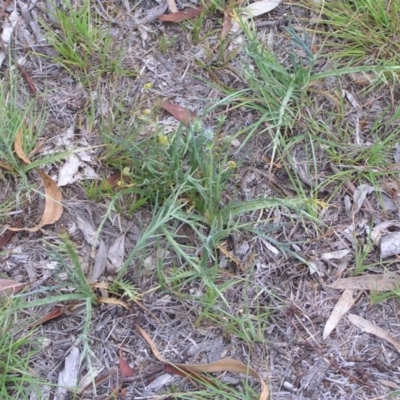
227 365
53 208
182 15
343 305
388 281
180 113
369 327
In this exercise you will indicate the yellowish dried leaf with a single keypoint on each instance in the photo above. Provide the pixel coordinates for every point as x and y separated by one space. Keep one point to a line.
114 301
227 365
53 208
19 150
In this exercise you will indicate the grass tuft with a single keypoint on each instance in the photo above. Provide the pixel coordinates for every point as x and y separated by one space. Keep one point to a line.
360 31
17 350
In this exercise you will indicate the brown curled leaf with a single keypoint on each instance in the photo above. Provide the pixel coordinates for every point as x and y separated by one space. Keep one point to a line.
124 367
114 178
53 196
53 208
57 312
19 150
180 16
180 113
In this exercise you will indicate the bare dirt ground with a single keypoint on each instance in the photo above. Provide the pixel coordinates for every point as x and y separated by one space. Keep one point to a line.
290 303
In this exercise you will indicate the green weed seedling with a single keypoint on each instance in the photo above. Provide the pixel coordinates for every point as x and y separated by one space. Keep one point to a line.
377 297
84 47
76 36
165 42
197 33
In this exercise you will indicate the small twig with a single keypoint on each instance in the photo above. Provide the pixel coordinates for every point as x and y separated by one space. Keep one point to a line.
272 24
27 79
25 74
332 363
